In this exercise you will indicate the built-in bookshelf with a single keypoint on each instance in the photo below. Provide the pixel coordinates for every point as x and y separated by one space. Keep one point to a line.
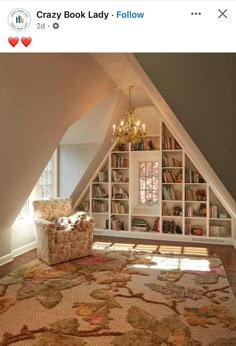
187 207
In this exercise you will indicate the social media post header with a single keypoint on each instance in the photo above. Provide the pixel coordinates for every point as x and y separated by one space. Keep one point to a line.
117 26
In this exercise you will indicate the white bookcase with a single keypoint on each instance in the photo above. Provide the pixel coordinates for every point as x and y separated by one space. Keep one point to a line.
187 208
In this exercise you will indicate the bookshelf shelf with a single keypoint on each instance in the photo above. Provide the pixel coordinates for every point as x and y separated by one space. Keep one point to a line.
172 167
196 217
172 150
120 152
172 200
118 214
192 201
100 183
220 219
106 199
199 184
119 168
187 206
99 213
172 183
118 183
172 217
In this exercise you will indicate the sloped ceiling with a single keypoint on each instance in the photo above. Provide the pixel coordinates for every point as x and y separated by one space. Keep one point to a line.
200 89
86 129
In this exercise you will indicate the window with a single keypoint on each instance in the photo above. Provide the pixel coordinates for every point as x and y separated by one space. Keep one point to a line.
148 182
145 177
46 187
46 181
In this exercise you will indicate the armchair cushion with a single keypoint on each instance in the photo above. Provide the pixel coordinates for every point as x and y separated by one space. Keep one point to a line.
52 208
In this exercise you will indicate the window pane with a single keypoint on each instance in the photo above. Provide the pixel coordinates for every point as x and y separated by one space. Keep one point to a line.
142 183
155 196
155 183
149 183
142 196
142 169
149 168
155 169
148 197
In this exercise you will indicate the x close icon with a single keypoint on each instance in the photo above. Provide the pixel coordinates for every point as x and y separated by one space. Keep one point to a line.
223 13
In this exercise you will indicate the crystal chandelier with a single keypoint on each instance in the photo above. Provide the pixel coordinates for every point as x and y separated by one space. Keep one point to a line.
129 129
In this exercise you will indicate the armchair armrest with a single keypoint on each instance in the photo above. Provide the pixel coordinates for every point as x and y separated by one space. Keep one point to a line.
45 226
45 232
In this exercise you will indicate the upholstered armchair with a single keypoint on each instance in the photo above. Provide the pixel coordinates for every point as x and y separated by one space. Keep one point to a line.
58 243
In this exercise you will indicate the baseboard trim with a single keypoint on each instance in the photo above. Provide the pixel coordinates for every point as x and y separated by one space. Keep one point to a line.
25 248
6 259
165 237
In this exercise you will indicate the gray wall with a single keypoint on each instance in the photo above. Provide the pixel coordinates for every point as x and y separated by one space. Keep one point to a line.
200 89
73 160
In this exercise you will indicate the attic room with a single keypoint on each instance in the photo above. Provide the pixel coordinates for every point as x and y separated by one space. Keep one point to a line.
192 92
57 123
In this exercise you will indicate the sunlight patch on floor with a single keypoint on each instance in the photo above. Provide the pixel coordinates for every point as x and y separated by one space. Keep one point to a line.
162 249
201 251
174 263
100 245
121 246
170 249
145 247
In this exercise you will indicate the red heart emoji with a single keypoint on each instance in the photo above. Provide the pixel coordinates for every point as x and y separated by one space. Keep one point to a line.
26 41
13 41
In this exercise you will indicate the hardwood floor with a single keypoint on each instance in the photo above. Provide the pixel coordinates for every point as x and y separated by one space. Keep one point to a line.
226 253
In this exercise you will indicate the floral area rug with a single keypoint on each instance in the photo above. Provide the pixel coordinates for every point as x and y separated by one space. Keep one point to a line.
119 298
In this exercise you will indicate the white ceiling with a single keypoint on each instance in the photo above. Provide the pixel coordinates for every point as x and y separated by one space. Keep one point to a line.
91 128
119 68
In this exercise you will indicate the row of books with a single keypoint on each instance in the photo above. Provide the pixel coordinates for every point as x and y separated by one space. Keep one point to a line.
140 225
84 206
103 177
119 192
201 211
99 192
119 208
119 161
171 227
169 176
170 143
169 193
218 231
118 177
99 207
171 161
195 195
117 224
193 177
144 144
121 147
214 211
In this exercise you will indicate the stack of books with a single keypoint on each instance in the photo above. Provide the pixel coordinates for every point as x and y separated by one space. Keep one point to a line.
139 225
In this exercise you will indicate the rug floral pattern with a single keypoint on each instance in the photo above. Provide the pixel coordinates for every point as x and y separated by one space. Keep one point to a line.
120 299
